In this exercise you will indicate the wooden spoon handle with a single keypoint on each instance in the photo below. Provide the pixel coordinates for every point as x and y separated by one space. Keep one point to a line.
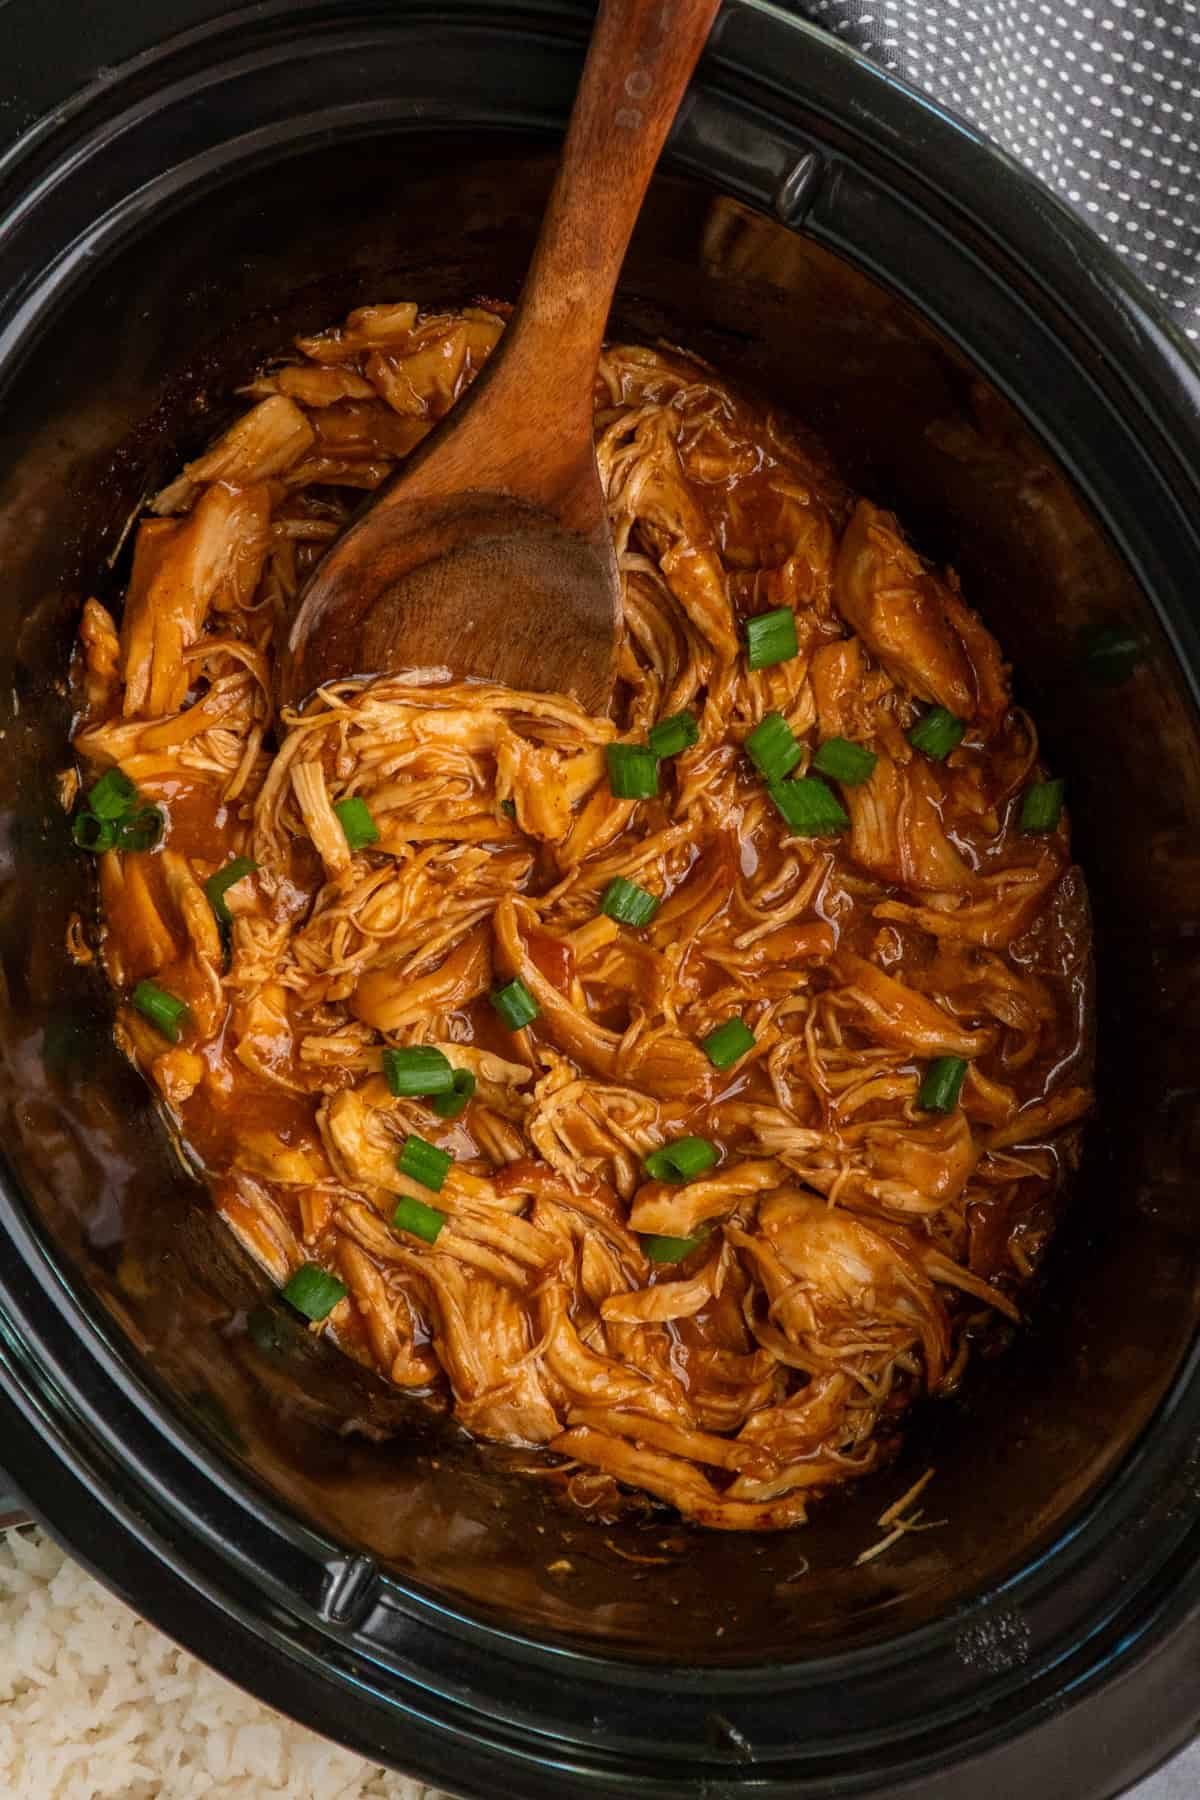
525 428
638 67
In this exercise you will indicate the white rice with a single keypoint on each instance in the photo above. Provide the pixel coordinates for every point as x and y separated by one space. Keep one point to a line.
97 1705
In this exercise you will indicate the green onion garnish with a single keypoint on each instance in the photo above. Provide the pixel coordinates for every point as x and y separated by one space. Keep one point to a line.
515 1004
113 796
771 638
218 885
314 1292
632 771
166 1012
1041 805
354 817
423 1221
670 1249
843 761
140 830
424 1163
681 1161
1111 653
628 903
940 1089
509 809
729 1041
448 1106
772 747
672 735
419 1070
937 733
808 807
93 834
113 819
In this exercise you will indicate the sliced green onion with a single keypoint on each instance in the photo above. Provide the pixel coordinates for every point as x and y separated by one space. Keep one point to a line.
314 1292
113 796
93 834
672 735
515 1004
1111 653
423 1221
943 1080
772 747
627 903
851 764
937 733
681 1161
140 830
420 1069
354 817
424 1163
448 1106
729 1041
632 771
166 1012
669 1249
1041 805
218 885
808 807
509 809
771 638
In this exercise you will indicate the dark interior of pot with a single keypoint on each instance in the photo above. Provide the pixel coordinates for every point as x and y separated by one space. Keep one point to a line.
136 372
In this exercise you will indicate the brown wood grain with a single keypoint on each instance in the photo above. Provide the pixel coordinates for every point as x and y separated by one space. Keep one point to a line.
490 553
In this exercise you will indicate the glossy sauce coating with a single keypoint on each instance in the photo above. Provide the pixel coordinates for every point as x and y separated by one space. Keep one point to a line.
849 1243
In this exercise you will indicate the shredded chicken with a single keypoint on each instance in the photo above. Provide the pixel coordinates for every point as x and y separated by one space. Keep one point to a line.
735 1344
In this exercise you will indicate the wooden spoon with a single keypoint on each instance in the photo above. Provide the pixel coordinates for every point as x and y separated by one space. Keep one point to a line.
489 553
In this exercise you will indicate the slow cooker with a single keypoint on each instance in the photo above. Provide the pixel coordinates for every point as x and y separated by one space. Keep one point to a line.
193 187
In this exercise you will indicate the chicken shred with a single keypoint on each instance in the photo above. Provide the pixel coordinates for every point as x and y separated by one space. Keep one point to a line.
849 1245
